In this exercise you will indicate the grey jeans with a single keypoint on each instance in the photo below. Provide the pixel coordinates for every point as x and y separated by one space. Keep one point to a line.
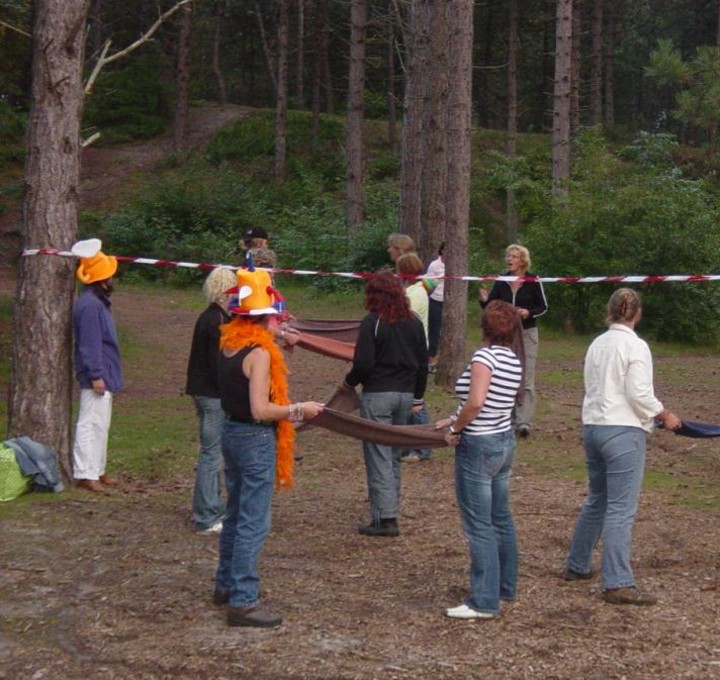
524 412
382 463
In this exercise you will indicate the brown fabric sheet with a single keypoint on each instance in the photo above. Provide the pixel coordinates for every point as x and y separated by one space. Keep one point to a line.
404 436
329 347
345 330
338 417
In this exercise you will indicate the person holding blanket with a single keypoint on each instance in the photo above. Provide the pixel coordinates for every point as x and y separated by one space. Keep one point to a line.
257 443
618 411
482 433
390 362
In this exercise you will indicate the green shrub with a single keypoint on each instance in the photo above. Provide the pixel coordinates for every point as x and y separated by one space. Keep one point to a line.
635 218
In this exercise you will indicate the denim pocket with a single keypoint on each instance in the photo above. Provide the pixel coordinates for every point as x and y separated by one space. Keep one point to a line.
492 461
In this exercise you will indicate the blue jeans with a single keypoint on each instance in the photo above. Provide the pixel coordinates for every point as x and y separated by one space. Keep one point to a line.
482 483
615 459
419 418
382 463
249 453
208 507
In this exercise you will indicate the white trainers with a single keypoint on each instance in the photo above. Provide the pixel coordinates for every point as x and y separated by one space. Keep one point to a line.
465 612
213 529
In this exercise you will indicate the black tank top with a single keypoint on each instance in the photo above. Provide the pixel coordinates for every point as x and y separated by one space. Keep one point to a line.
235 386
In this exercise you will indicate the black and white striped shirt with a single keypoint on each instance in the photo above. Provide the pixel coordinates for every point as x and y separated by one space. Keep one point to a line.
506 372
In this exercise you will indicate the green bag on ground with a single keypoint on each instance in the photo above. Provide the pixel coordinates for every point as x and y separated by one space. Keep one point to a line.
12 482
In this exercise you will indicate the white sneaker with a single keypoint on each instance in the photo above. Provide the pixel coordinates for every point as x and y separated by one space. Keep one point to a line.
213 529
465 612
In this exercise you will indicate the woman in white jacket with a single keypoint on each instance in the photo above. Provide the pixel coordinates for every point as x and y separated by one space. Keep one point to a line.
618 411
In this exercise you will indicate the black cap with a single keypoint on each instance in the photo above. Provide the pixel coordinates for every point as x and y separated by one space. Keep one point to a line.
255 232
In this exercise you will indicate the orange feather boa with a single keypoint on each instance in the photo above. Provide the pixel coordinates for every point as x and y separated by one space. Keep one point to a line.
240 333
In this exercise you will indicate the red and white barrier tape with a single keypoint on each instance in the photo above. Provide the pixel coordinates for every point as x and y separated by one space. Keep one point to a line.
673 278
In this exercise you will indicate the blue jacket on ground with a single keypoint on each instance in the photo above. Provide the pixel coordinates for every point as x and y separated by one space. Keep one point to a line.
97 354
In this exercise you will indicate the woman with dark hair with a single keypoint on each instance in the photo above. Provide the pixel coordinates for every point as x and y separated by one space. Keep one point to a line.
257 443
391 364
619 409
482 433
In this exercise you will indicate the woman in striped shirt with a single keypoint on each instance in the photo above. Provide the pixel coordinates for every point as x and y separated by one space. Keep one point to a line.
484 441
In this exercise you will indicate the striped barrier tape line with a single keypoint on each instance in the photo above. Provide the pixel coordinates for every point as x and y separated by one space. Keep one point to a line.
671 278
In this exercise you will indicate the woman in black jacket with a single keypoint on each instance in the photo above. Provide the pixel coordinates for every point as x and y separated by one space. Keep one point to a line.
202 385
528 297
391 358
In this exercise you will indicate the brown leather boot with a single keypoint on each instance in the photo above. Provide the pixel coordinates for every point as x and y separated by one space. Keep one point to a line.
109 481
90 485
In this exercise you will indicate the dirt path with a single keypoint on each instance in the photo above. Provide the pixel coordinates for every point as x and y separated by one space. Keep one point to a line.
107 172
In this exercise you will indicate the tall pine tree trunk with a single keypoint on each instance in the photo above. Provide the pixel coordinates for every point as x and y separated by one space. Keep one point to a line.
452 345
561 97
575 70
318 32
300 61
431 230
217 71
609 68
392 109
41 381
354 122
512 73
596 64
282 91
182 104
412 130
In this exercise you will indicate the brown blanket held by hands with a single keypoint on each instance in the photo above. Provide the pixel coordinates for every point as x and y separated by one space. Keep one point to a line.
338 417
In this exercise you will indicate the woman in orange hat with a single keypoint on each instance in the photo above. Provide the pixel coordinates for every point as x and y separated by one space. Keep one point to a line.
257 443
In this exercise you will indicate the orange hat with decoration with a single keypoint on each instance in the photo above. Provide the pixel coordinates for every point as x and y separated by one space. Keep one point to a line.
94 264
255 293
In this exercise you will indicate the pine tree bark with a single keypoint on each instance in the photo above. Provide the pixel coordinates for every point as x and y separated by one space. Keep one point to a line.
512 74
561 97
41 380
318 32
282 91
217 71
431 229
575 70
596 64
300 60
609 67
182 104
452 345
354 121
392 109
417 35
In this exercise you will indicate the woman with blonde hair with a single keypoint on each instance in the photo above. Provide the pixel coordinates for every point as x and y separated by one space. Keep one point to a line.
619 409
528 298
208 507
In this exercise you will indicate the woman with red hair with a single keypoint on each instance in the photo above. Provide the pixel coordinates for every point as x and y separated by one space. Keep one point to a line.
481 432
390 362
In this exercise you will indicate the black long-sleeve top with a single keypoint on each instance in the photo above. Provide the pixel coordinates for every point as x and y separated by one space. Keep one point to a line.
530 296
202 371
390 357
